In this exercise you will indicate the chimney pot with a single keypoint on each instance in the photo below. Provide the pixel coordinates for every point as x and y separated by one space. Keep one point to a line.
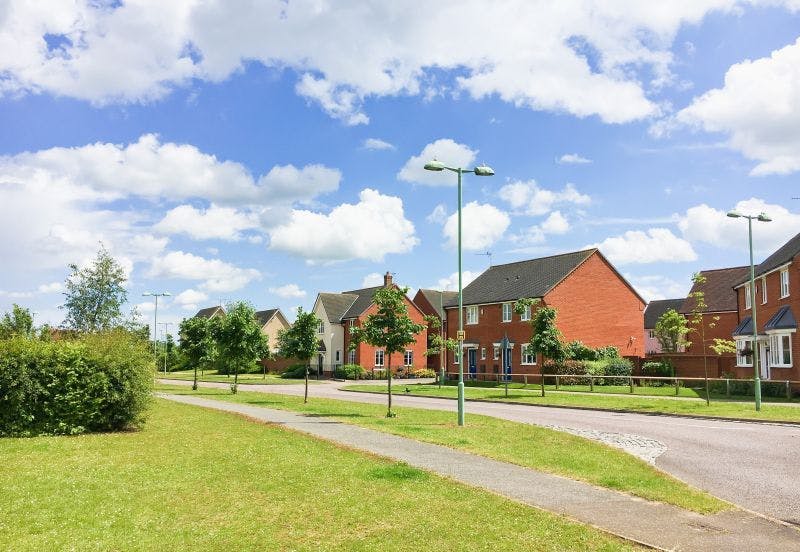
387 279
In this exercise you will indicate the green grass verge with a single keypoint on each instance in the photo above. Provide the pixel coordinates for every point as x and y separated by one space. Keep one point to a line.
211 375
774 412
195 479
522 444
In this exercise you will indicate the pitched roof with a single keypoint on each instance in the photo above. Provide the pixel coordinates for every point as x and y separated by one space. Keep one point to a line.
745 327
532 278
336 304
438 299
783 255
655 309
783 319
209 312
718 289
264 316
362 302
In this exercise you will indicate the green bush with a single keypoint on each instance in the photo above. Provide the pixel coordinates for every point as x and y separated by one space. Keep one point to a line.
422 373
295 371
746 389
608 352
662 369
576 350
567 367
350 371
99 382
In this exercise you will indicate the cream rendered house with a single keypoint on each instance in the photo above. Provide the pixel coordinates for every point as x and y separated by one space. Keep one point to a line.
329 308
272 321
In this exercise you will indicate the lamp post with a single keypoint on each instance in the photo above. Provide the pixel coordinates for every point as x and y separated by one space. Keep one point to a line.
481 170
166 332
155 320
761 217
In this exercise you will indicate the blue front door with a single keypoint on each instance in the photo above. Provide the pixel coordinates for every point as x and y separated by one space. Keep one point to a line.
473 362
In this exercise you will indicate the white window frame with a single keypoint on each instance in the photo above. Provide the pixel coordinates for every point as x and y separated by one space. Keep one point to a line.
526 314
763 290
472 314
496 353
483 353
748 299
531 356
780 343
784 283
351 356
506 312
408 358
741 360
379 353
321 327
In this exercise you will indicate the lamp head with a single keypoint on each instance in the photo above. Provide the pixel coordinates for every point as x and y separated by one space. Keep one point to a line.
483 170
167 294
434 165
734 214
763 217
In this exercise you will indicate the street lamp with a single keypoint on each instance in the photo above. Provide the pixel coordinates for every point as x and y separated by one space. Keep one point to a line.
761 217
481 170
155 321
166 332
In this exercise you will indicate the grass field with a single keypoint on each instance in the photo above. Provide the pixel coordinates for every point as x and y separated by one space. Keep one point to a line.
722 409
523 444
202 480
211 375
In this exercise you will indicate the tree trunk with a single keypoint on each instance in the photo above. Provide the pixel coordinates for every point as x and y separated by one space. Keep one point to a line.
305 396
194 384
389 413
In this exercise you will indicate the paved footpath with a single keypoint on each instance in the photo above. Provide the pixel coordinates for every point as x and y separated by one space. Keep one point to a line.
658 525
752 465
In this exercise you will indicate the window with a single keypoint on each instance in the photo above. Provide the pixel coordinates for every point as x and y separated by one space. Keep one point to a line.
379 357
526 314
747 300
351 357
338 356
652 334
496 353
408 359
472 315
321 329
784 283
780 350
744 353
483 353
528 356
763 290
506 312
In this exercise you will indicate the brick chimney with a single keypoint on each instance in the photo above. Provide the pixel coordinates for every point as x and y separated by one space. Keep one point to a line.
387 279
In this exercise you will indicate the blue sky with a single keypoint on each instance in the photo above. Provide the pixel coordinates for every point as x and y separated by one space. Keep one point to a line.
272 153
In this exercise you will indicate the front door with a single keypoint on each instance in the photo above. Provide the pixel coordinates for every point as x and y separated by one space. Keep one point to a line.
763 359
320 359
472 355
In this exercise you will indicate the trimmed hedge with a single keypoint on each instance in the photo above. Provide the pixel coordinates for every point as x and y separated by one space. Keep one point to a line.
350 371
100 382
295 371
606 367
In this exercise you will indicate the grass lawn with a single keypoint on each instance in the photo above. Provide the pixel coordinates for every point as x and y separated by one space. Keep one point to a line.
722 409
522 444
203 480
211 375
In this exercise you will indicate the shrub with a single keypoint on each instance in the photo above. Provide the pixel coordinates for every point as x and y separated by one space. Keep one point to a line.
657 369
617 366
100 382
350 371
295 371
576 350
422 373
746 389
567 367
607 352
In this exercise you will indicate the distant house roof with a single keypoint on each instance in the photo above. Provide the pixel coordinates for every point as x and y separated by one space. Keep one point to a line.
783 319
438 299
718 289
265 316
655 309
783 255
524 279
362 302
209 312
336 304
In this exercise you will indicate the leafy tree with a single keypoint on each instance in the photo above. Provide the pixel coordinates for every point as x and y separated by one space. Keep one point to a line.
389 328
698 325
437 343
722 346
300 341
671 331
95 294
197 343
545 336
239 340
19 322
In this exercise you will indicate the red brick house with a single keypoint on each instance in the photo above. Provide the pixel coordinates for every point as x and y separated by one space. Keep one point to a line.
339 312
654 311
595 305
776 300
431 302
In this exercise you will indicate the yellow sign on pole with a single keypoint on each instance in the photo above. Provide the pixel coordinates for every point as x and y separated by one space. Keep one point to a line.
461 335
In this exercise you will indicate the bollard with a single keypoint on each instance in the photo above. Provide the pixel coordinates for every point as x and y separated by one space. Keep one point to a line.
676 387
788 390
542 376
727 387
591 384
630 382
556 382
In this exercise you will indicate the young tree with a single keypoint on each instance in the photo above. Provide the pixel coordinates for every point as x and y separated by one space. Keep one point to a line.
239 340
545 336
437 343
18 322
95 294
698 325
671 331
300 341
390 328
197 343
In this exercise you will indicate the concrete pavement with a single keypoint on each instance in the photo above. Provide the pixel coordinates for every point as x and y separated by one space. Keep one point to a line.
658 525
752 465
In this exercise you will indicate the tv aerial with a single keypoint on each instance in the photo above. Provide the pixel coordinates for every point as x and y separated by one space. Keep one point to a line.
487 254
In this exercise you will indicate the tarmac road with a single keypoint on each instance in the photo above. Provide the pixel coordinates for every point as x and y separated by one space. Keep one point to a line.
753 465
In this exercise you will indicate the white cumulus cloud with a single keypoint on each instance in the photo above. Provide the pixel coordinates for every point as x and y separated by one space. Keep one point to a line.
482 225
215 274
653 246
445 150
190 299
288 291
572 159
450 283
529 198
224 223
372 279
377 144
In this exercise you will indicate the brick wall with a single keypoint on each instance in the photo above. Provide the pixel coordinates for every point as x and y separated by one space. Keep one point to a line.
722 329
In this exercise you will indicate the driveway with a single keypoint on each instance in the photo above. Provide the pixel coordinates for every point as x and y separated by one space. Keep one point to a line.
756 466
